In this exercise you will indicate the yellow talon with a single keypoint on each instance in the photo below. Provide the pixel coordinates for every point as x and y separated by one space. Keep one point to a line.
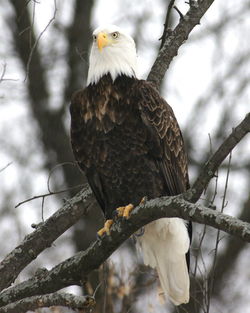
120 211
128 208
106 228
124 211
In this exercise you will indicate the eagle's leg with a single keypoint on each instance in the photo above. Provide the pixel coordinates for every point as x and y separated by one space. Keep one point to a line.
106 228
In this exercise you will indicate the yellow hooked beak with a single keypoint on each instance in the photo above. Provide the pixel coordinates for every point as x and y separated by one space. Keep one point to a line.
102 40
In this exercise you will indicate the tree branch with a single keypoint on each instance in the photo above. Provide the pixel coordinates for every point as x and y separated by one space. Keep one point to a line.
175 39
43 236
218 157
62 299
74 270
166 24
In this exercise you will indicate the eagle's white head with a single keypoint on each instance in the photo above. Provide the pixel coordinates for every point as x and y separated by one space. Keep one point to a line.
113 51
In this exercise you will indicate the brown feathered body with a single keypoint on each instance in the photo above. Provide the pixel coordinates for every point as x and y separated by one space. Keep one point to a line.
127 141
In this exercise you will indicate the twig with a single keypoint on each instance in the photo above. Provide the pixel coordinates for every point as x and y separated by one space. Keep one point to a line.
4 168
218 157
32 21
38 39
166 24
44 195
62 299
192 3
3 73
179 12
55 168
212 272
202 237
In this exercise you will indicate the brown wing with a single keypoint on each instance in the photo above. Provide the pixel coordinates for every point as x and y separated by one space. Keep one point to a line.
165 138
166 141
83 141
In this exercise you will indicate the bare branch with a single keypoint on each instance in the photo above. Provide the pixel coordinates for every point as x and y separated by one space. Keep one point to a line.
44 195
166 29
3 74
217 241
214 162
75 269
175 39
62 299
43 237
38 38
4 168
179 12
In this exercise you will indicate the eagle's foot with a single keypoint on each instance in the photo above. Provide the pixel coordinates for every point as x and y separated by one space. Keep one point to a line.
120 211
105 229
127 210
124 211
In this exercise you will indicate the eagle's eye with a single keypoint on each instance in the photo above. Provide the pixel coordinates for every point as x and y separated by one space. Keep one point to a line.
115 35
94 37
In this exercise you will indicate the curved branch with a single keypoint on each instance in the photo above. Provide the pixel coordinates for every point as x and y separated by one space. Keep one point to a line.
62 299
73 270
43 236
209 169
176 38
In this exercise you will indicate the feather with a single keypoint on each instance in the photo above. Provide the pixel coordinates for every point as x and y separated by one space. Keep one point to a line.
164 245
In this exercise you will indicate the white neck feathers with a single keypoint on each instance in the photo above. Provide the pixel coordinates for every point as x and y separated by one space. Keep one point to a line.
116 59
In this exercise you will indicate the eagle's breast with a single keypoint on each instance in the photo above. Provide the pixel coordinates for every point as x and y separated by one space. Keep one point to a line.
104 106
104 122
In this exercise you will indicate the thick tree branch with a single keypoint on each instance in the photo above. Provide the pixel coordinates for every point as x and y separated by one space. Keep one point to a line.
43 236
74 270
62 299
176 38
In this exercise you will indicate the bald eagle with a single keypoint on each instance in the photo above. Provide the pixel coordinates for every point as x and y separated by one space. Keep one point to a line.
127 141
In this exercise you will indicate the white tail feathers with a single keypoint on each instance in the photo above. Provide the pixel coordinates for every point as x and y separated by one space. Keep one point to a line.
164 245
